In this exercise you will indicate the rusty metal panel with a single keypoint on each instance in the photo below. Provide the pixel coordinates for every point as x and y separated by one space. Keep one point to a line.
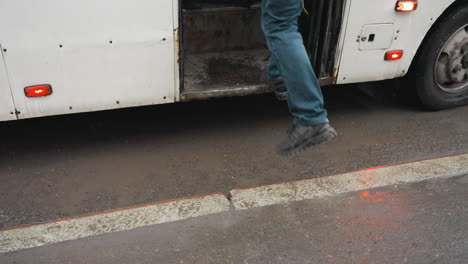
222 29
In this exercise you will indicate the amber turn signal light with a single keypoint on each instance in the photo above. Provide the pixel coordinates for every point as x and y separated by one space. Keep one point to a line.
393 55
406 6
38 90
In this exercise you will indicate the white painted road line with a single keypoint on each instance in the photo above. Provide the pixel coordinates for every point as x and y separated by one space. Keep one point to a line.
121 220
349 182
131 218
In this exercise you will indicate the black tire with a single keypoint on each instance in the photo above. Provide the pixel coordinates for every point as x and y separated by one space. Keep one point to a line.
428 90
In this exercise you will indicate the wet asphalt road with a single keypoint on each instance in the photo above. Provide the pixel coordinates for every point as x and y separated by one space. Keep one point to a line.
71 165
413 223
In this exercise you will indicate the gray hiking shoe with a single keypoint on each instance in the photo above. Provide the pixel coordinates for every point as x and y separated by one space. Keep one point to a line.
281 93
302 137
277 86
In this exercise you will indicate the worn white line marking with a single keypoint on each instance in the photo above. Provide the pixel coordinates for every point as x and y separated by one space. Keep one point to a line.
349 182
127 219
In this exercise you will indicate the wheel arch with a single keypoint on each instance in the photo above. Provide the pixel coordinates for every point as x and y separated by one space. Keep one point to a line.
448 10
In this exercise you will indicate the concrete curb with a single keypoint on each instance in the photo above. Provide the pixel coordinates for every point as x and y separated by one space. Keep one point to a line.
349 182
240 199
109 222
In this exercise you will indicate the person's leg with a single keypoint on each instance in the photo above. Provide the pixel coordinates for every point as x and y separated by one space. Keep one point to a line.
280 25
305 99
272 77
272 69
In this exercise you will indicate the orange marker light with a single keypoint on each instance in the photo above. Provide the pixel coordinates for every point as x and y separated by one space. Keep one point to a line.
394 55
406 6
38 90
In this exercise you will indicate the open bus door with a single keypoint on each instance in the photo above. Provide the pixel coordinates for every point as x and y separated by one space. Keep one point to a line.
224 50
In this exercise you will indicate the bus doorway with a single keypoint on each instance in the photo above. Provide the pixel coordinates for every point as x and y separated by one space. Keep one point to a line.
224 52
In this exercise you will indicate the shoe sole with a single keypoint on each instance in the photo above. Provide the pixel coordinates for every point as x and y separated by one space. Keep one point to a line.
281 96
325 136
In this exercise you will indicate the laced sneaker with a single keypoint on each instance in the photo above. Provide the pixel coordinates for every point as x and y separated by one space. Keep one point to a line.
277 86
281 93
302 137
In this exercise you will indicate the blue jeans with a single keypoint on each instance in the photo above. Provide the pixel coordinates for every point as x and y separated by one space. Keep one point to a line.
289 61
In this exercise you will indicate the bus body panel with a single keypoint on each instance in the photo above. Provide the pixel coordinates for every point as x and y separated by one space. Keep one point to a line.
96 55
109 54
409 31
7 108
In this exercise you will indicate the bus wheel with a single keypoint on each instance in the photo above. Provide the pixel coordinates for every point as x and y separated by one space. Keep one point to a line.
441 70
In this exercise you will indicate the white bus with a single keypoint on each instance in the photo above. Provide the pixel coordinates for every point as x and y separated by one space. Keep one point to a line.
63 56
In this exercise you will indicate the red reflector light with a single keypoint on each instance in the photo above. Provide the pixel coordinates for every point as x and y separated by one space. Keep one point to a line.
394 55
406 6
38 90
